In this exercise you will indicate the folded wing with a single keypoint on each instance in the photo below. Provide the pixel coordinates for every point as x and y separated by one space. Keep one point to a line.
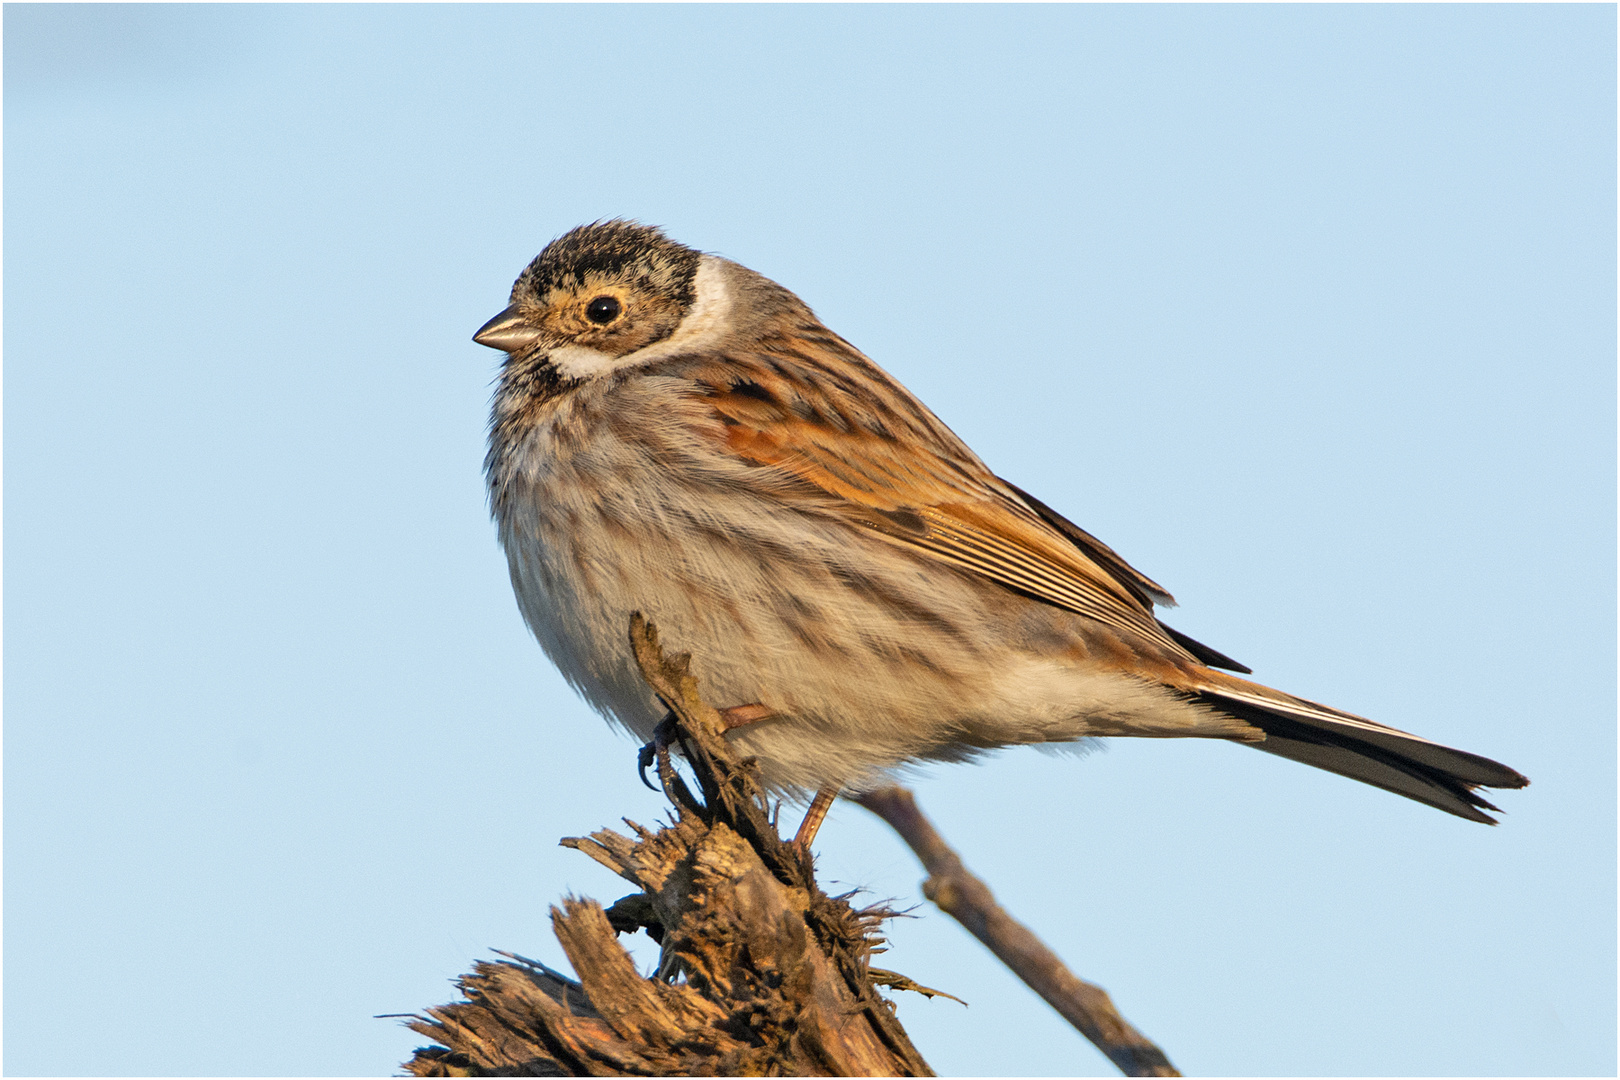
890 465
865 449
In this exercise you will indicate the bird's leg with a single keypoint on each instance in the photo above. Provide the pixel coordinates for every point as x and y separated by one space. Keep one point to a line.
741 716
814 817
666 733
734 717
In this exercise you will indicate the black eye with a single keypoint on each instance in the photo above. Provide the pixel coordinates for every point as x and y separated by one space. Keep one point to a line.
602 310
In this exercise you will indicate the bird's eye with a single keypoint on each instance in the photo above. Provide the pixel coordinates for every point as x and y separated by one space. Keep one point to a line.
602 310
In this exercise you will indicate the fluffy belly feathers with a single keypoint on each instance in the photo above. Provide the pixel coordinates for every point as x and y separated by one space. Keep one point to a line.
867 658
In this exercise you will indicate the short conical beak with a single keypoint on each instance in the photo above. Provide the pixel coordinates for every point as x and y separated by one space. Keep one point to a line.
507 331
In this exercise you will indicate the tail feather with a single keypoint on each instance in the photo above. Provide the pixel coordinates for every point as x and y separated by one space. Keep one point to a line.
1353 746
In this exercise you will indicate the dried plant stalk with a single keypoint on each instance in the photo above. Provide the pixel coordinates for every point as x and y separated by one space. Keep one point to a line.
761 973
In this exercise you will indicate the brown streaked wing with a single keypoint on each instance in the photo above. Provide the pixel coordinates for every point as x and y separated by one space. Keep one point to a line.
842 425
1101 553
1146 590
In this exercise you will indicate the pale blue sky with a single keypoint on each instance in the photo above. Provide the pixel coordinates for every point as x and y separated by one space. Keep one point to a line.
1309 311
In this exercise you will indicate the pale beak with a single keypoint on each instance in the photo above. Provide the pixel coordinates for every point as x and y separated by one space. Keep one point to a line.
507 331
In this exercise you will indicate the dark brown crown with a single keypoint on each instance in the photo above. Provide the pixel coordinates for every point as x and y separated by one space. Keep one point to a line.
616 250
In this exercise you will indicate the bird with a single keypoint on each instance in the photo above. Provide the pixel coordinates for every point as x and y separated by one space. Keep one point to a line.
674 434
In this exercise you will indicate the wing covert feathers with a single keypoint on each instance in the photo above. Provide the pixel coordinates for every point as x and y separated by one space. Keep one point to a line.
875 456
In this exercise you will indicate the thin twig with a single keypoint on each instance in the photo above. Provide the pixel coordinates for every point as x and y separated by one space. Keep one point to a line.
968 900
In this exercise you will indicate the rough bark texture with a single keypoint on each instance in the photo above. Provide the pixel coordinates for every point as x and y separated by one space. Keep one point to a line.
761 972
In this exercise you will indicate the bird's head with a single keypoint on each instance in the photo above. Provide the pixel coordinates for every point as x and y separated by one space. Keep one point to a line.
596 295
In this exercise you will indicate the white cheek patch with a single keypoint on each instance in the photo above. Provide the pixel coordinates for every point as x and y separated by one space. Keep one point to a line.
578 362
706 322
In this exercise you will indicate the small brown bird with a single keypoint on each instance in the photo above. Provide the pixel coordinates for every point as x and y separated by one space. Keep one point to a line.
674 434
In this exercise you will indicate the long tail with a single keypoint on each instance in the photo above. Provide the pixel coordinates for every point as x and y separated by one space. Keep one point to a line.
1361 749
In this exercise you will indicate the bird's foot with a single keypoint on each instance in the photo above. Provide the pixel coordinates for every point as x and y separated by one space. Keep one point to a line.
666 734
657 749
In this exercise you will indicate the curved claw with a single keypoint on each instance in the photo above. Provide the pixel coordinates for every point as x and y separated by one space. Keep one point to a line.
663 735
644 759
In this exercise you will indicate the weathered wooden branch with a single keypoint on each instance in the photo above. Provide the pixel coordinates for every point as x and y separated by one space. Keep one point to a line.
968 900
761 973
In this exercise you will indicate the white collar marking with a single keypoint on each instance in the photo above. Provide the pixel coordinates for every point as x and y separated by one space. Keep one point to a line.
705 322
